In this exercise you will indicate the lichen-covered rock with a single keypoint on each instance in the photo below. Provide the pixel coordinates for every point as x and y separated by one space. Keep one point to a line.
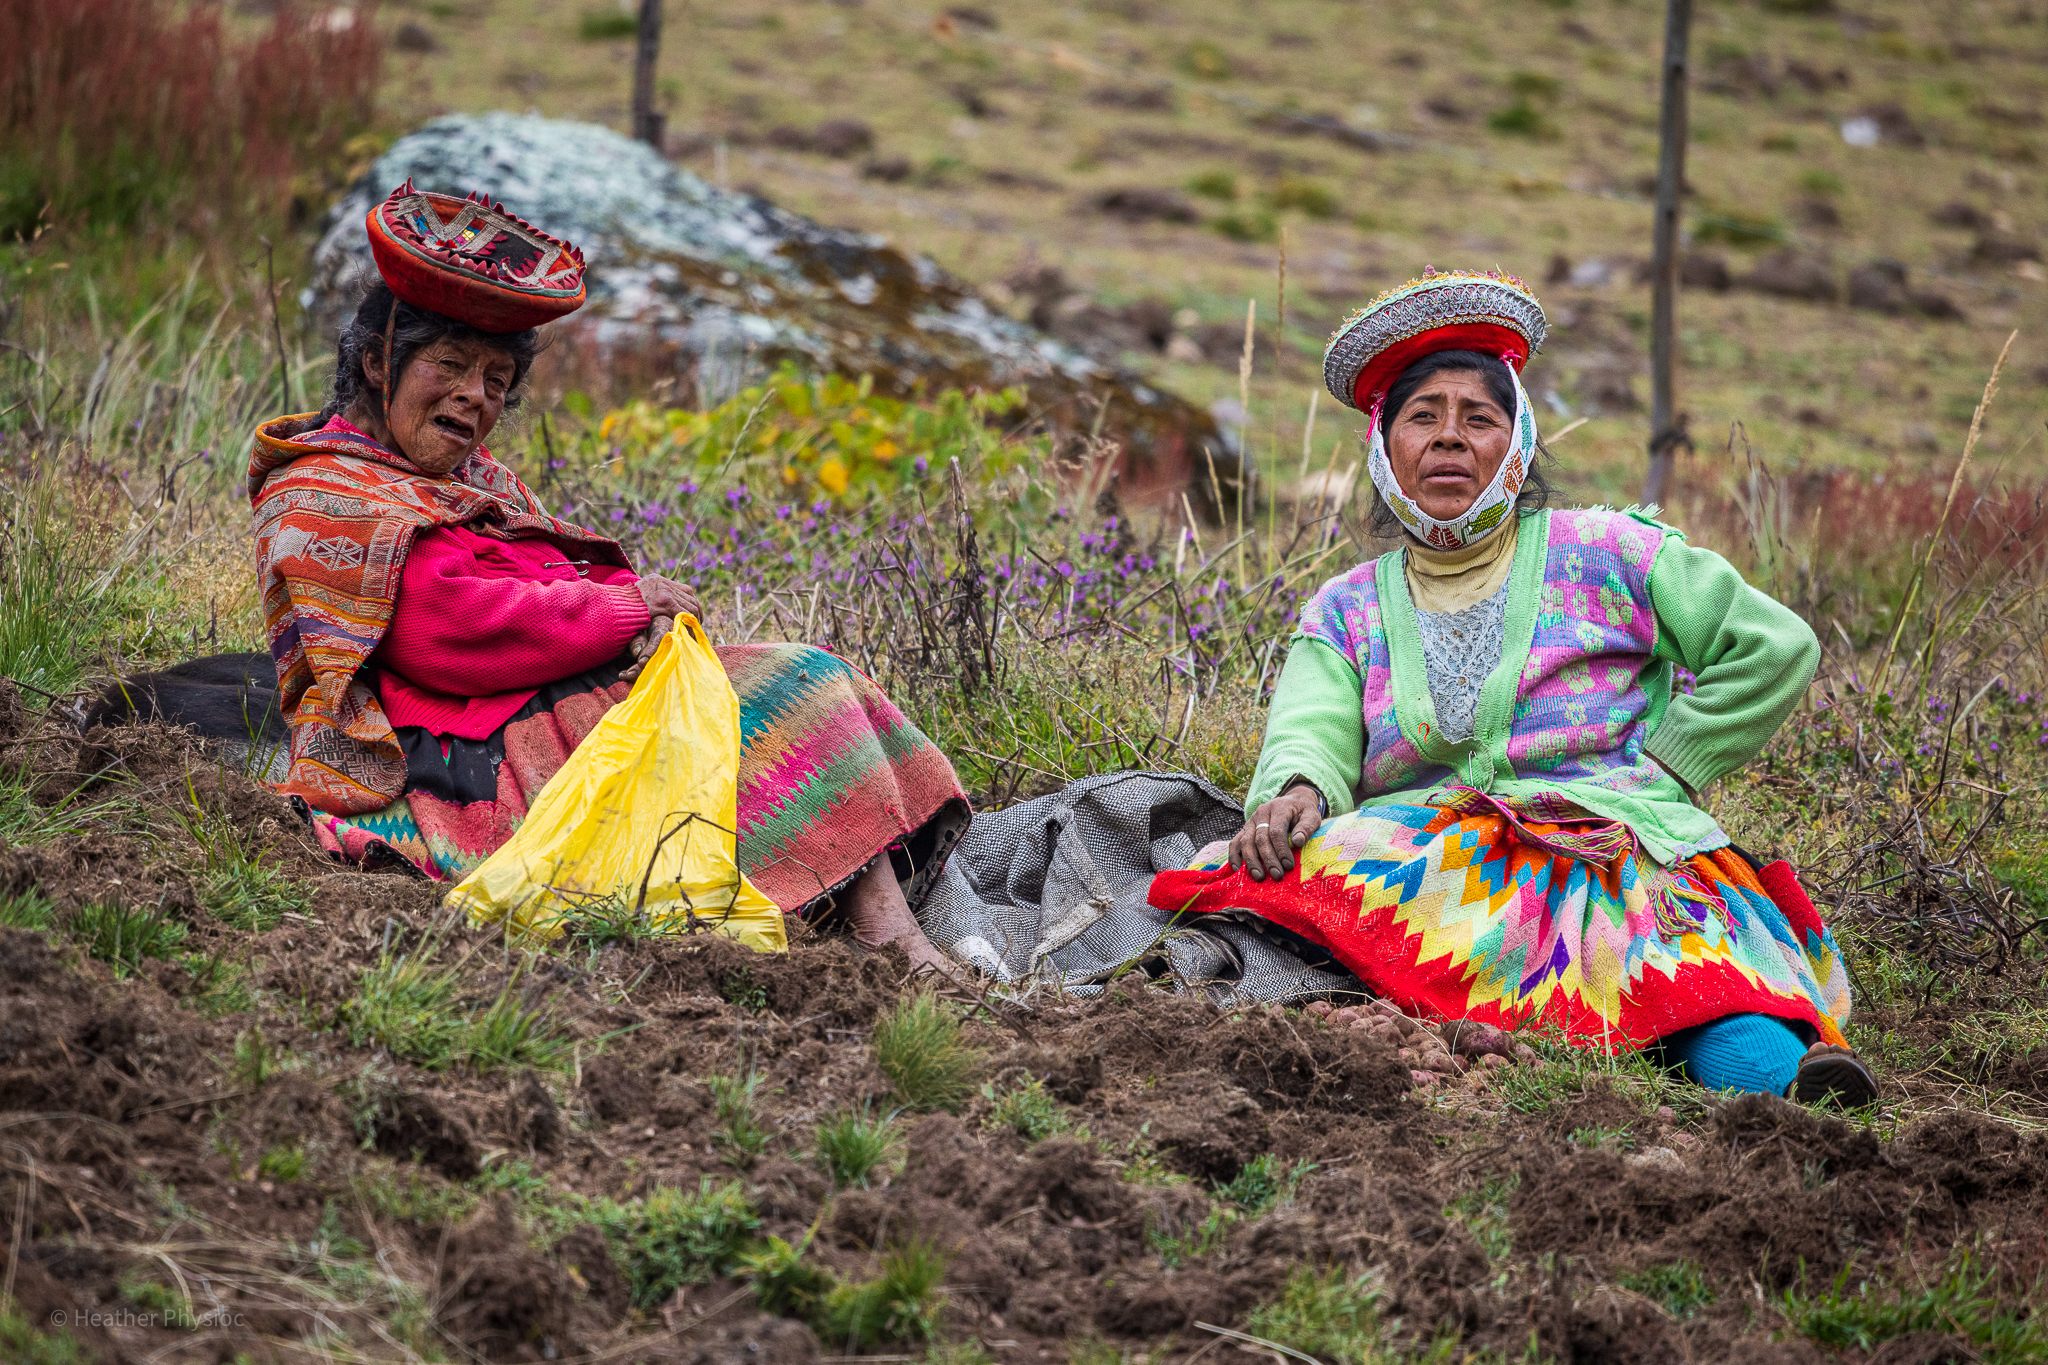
728 284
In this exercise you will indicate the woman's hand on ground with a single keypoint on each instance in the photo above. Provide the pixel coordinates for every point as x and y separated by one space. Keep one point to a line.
1265 846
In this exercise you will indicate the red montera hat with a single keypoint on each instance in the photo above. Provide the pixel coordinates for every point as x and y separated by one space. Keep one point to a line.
470 260
1445 310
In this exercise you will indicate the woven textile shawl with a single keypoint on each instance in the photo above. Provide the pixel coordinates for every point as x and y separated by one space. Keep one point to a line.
336 514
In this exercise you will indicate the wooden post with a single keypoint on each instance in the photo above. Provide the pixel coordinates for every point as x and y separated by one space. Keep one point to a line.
648 122
1667 425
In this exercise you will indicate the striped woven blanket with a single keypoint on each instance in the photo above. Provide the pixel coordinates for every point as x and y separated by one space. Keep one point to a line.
831 774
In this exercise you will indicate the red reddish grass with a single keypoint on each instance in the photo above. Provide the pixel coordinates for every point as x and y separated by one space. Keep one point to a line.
115 110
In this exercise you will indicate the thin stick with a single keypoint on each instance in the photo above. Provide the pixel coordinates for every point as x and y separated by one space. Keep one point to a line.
1308 431
1567 429
1279 379
1260 1342
284 374
1244 431
1954 485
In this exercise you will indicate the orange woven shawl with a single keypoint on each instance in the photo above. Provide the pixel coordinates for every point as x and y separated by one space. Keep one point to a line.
336 514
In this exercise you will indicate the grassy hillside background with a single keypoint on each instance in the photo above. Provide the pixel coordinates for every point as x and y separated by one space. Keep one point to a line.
1514 136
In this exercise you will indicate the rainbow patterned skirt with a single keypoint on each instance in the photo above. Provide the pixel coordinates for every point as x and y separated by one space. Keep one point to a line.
1477 915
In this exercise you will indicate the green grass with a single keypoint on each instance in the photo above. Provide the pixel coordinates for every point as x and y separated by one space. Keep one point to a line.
413 1008
675 1237
1306 197
852 1143
740 1128
1216 184
236 886
256 1062
284 1163
22 1343
1483 1212
606 26
1680 1288
1962 1299
1570 1071
919 1047
125 936
901 1304
31 909
512 1032
219 987
605 922
1028 1109
1327 1314
1262 1184
1203 1239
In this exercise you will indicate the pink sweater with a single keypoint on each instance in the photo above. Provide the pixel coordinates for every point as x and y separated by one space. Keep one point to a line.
481 623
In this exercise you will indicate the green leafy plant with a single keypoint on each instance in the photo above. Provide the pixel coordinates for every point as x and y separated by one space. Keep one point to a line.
1327 1314
1178 1248
676 1237
851 1143
1214 185
902 1304
412 1007
811 434
125 936
158 1300
606 921
919 1047
219 987
1680 1288
1242 226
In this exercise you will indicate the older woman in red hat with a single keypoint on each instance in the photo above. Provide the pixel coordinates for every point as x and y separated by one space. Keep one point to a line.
443 643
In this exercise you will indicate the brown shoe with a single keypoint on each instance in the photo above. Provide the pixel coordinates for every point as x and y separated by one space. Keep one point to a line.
1831 1073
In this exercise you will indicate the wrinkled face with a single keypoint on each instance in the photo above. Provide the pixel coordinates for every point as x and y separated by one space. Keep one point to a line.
449 397
1447 441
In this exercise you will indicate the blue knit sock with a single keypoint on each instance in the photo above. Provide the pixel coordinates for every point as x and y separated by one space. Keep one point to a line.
1741 1052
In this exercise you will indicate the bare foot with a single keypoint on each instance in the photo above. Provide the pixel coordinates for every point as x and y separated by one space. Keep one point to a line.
878 914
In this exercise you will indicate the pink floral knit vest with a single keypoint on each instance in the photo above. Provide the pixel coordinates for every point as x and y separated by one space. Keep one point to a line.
1591 681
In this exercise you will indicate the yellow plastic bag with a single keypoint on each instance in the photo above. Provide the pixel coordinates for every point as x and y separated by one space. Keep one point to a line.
643 814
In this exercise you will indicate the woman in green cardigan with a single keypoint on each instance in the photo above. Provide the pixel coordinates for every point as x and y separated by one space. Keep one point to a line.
1476 789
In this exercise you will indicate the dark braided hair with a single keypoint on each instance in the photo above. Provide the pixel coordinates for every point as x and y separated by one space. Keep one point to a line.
412 331
1500 386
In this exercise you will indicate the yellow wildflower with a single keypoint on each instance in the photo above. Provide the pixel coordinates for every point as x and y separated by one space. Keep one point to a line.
885 450
832 474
